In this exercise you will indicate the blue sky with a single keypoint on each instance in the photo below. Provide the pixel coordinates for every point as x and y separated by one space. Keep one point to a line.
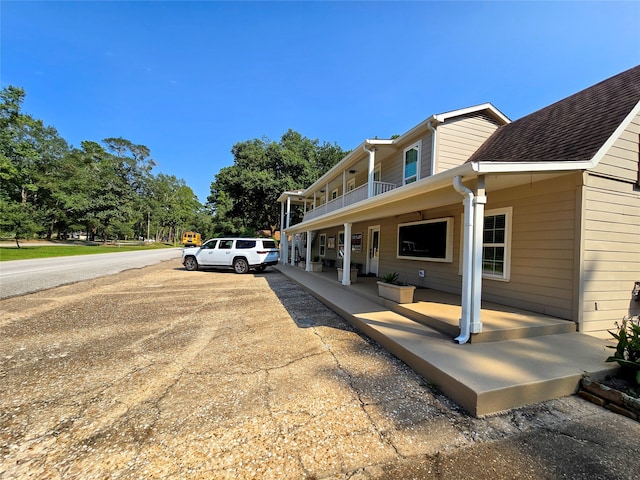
190 79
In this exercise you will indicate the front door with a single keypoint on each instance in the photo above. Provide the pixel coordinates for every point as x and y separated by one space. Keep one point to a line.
374 250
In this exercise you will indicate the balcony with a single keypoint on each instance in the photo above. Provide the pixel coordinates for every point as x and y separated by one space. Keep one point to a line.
354 196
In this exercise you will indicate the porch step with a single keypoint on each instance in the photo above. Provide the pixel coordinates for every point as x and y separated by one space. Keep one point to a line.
499 323
483 378
441 311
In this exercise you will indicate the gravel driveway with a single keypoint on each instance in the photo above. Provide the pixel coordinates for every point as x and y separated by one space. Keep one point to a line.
163 373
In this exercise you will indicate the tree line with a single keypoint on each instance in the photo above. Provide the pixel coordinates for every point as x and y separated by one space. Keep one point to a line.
107 190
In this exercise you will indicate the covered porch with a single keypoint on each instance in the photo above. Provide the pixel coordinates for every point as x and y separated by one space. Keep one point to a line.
520 357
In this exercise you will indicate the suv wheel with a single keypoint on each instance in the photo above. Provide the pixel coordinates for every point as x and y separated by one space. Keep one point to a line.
191 264
240 265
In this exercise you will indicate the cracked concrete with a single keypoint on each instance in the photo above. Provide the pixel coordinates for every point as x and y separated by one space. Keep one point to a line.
163 373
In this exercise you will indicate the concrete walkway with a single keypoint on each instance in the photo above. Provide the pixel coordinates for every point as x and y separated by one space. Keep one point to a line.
483 378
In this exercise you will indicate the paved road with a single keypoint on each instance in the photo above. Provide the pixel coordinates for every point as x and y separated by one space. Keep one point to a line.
18 277
164 373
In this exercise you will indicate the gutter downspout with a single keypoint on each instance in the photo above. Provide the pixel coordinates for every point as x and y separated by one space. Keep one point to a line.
372 157
467 267
434 146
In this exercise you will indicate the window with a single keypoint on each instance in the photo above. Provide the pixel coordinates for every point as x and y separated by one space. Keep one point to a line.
411 164
430 240
323 244
269 244
245 243
341 244
334 194
351 184
225 244
376 173
210 245
496 241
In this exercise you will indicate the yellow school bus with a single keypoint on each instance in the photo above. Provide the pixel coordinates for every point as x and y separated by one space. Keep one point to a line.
191 239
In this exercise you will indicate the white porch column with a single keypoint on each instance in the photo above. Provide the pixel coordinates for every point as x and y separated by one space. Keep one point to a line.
288 211
346 261
344 185
308 257
284 249
372 164
292 259
476 282
281 232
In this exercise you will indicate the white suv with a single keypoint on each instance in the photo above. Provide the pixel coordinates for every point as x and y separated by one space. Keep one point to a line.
241 254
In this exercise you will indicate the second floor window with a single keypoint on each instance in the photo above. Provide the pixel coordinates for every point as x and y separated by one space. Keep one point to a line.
411 157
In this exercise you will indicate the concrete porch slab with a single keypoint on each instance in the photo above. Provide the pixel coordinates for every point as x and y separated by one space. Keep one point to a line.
483 378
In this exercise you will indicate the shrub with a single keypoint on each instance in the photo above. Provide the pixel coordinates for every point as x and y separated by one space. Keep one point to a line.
628 348
391 277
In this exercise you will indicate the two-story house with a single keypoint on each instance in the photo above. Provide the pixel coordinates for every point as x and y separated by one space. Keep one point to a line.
542 213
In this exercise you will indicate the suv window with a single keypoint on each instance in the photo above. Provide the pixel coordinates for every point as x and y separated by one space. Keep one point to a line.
211 244
268 244
225 244
245 243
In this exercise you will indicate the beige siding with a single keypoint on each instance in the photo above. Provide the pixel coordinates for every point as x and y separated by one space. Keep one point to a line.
392 166
622 159
438 275
542 249
460 137
332 254
611 258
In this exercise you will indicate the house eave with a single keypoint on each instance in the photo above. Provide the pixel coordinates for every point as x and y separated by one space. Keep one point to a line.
357 153
467 171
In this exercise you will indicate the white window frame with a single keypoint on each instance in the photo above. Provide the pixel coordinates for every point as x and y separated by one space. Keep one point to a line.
418 147
351 184
334 194
377 173
508 216
322 245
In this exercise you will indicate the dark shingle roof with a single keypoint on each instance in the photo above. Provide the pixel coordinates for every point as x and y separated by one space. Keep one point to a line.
572 129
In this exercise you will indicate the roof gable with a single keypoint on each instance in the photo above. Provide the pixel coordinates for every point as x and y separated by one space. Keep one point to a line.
573 129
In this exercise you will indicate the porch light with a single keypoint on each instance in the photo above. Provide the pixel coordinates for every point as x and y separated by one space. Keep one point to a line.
352 172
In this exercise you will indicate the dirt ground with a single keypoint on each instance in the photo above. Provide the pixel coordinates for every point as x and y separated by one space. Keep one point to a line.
164 373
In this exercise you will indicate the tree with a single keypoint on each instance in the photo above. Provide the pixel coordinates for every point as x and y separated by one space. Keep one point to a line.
30 153
107 189
173 207
245 195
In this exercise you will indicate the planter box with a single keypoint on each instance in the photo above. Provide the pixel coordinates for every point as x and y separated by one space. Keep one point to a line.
316 267
396 293
353 275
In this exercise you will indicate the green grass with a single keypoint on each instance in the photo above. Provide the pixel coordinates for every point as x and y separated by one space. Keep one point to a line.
45 251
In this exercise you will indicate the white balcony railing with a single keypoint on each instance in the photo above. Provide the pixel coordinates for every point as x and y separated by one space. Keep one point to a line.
354 196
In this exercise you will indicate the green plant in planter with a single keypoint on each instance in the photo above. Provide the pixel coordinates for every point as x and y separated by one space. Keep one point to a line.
628 349
316 259
391 278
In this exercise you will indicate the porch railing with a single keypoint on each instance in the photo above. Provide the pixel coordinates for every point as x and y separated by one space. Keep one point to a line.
354 196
